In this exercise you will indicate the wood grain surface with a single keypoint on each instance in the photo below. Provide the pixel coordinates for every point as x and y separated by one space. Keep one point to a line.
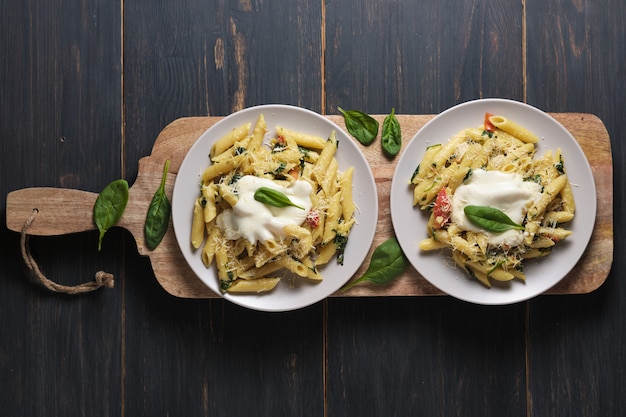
69 211
87 86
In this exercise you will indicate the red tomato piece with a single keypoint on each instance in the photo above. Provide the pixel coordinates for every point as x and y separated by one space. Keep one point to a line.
489 127
313 218
442 209
295 172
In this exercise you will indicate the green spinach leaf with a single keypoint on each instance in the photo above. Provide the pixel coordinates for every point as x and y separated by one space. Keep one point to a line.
158 216
490 219
273 198
109 207
387 263
391 135
360 125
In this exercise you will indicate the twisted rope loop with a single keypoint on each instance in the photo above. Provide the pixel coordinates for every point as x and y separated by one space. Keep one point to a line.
102 279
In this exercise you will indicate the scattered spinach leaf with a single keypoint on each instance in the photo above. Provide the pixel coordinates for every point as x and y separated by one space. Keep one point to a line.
392 135
360 125
273 198
490 219
387 263
158 216
109 206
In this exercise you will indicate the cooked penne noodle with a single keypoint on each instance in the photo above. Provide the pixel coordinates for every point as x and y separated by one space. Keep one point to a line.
542 242
329 180
227 194
514 129
432 244
210 245
221 168
197 224
229 139
253 286
327 154
424 168
209 192
263 271
549 193
558 217
567 200
332 219
293 265
347 203
302 139
327 253
258 133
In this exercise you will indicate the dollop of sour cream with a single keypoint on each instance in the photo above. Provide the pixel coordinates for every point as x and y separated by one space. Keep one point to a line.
254 220
507 192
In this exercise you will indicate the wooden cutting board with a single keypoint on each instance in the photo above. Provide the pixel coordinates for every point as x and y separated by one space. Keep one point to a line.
64 211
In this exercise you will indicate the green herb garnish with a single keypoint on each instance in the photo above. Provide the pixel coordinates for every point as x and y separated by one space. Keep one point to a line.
391 138
225 284
490 219
341 241
387 263
273 198
560 167
158 216
360 125
280 168
109 207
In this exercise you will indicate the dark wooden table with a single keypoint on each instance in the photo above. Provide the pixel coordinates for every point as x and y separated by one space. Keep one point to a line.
86 87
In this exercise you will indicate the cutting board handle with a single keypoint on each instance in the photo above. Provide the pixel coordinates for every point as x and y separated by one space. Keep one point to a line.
53 211
60 211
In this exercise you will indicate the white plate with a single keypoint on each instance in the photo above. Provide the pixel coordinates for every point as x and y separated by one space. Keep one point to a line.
437 267
290 294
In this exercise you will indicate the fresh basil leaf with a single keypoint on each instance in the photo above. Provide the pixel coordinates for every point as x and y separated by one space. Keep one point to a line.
158 216
109 206
386 264
490 219
360 125
273 198
391 138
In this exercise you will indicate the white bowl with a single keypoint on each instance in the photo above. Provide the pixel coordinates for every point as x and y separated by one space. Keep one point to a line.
541 274
290 294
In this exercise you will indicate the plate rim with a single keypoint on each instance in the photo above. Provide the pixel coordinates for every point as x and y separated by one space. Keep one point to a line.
588 223
366 232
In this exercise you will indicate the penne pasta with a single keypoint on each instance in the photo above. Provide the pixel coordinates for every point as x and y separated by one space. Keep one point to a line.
347 203
301 139
332 219
513 129
227 141
251 236
537 193
197 224
327 154
253 286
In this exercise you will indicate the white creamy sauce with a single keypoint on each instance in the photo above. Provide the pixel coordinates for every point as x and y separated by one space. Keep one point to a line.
506 192
257 221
